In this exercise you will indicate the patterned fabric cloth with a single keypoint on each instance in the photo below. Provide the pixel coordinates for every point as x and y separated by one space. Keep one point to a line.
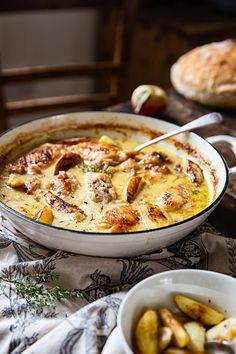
73 327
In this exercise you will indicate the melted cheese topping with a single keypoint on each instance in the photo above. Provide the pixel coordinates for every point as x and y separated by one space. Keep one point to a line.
157 187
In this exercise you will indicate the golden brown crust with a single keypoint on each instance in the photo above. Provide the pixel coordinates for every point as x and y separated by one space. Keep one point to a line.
207 74
65 161
194 172
100 188
62 184
133 187
120 218
39 157
59 204
174 198
155 213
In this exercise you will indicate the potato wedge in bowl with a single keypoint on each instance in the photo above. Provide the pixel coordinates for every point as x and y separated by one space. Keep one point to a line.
213 290
184 333
198 311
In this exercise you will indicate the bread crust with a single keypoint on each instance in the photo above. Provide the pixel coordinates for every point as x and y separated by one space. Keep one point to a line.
207 74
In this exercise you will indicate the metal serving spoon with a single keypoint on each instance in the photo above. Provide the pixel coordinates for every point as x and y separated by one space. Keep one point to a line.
215 347
207 119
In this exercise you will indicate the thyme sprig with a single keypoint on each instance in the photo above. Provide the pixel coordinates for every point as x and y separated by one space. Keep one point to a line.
96 168
29 286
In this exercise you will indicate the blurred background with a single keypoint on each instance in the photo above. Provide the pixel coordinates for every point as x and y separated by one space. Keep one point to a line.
141 39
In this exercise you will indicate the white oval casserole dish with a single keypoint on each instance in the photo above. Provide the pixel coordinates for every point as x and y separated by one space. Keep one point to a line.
123 244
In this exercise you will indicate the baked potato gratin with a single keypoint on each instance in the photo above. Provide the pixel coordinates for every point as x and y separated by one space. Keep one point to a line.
103 185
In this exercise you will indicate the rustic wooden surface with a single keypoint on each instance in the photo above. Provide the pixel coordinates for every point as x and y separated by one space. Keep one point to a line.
181 111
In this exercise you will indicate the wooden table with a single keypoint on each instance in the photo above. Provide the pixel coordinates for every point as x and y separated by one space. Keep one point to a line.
181 111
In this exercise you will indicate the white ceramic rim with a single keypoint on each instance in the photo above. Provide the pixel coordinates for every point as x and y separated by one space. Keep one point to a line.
90 233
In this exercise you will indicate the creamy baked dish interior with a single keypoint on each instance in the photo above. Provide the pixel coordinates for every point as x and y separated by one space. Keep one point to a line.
101 185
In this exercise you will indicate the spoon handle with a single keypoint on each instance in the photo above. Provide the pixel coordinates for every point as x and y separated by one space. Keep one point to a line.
207 119
214 347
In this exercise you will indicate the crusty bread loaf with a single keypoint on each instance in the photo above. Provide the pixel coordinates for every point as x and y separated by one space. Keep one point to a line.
207 74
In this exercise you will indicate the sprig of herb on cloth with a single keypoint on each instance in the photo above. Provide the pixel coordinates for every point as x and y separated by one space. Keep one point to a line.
29 286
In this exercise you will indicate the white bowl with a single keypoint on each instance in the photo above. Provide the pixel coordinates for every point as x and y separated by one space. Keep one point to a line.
212 288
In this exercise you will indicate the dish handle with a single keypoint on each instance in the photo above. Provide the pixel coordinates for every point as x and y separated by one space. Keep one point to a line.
228 141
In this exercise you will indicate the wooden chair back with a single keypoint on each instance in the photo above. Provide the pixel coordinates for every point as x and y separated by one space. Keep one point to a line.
112 71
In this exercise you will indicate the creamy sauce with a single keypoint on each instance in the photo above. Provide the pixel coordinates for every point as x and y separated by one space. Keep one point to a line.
154 185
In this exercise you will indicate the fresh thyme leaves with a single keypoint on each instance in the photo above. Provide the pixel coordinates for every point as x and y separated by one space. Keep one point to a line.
195 191
110 171
30 287
96 168
43 277
89 168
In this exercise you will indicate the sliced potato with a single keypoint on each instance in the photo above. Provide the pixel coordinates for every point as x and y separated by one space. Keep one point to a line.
225 330
174 350
106 140
198 311
15 181
165 337
196 334
78 216
180 336
194 172
45 215
133 187
146 333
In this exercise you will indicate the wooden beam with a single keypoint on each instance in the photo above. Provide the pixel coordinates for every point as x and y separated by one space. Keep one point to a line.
44 72
62 102
37 5
3 116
